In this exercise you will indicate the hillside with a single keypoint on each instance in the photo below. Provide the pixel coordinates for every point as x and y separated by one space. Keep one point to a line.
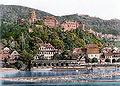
63 40
12 12
97 24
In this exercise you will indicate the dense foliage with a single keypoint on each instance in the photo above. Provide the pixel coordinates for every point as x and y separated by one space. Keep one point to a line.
17 37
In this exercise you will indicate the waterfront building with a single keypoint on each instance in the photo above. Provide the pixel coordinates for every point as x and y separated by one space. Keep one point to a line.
7 53
108 56
47 51
82 60
4 54
6 48
50 21
93 51
14 54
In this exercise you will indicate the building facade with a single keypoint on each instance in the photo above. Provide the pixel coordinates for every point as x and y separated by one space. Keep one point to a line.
46 51
93 51
69 25
50 21
31 19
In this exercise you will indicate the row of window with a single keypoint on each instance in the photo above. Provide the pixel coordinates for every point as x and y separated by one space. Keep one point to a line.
47 52
94 55
116 55
45 48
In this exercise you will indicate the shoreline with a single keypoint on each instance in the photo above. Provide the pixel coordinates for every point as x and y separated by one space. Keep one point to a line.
66 78
8 69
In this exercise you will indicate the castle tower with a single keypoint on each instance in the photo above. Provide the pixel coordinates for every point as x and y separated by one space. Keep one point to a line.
32 16
82 26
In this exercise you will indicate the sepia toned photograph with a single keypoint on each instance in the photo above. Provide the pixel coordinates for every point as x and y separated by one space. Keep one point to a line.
59 43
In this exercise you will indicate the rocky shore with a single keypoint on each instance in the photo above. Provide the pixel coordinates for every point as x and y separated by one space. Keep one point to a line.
66 78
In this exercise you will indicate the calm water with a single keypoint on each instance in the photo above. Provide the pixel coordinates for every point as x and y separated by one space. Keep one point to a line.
56 73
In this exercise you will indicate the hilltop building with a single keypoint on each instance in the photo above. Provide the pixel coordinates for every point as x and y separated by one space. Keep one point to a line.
82 25
50 21
69 25
31 19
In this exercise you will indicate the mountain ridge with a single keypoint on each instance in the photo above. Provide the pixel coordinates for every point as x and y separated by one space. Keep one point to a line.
13 12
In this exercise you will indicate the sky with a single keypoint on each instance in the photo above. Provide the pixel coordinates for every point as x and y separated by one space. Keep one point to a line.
105 9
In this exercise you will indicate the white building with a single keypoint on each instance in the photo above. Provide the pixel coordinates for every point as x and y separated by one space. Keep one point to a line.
46 51
93 51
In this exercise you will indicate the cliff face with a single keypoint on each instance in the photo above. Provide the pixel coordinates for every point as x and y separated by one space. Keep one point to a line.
12 12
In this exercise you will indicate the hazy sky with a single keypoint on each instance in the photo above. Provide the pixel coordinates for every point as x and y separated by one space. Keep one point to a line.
105 9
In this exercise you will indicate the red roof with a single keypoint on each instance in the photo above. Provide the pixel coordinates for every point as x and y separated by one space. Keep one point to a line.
76 49
92 48
46 45
92 45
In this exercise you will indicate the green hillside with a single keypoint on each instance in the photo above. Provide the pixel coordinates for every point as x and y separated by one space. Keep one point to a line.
13 12
97 24
23 40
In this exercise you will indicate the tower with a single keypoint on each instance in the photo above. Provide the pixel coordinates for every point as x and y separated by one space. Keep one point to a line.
32 16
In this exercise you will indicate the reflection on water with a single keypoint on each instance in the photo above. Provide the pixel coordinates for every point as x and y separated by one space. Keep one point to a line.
56 73
9 83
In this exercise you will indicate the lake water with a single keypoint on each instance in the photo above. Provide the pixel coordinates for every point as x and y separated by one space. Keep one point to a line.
56 73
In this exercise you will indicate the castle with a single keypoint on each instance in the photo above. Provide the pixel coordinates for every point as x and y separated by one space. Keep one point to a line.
70 25
31 19
52 22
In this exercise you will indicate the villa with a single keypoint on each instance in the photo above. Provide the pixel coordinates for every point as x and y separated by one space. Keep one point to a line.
47 51
93 51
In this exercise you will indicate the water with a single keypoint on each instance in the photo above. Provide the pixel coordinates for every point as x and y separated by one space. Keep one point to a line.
56 73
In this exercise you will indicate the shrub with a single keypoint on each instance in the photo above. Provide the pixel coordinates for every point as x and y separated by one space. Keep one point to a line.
113 60
118 60
94 60
107 60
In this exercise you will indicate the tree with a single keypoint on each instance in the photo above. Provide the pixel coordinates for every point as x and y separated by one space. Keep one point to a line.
4 42
29 66
94 60
56 56
118 60
5 59
22 42
66 55
88 60
59 44
26 58
19 64
107 60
